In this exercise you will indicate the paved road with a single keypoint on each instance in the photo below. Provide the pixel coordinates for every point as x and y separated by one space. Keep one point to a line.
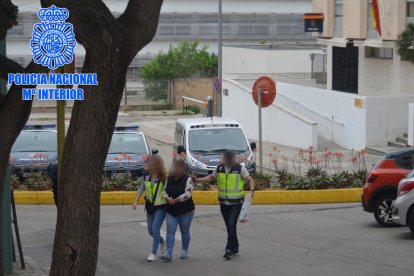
291 240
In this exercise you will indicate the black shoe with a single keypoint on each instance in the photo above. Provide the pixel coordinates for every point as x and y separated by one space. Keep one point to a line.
228 256
236 252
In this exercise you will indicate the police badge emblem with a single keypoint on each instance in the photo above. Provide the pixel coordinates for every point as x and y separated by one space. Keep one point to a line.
53 41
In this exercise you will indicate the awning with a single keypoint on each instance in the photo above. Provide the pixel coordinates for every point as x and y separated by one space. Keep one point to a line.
337 42
375 43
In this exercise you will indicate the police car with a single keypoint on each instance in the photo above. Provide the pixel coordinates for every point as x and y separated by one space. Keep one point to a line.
128 153
35 151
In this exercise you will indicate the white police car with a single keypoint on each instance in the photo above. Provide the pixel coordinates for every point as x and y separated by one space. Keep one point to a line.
128 152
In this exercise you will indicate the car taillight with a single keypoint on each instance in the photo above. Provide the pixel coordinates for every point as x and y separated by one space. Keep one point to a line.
372 176
405 187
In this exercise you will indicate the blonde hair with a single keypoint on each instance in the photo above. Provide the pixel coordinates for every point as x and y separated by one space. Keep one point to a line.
162 172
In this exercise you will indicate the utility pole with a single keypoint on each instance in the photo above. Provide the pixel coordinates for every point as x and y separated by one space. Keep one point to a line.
220 57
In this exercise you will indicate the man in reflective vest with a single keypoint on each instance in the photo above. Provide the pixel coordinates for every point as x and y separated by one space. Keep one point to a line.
231 178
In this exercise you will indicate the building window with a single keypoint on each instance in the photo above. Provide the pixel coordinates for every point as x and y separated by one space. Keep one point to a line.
381 53
410 9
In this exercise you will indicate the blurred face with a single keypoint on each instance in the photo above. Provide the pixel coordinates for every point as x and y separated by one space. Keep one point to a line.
229 162
178 169
153 166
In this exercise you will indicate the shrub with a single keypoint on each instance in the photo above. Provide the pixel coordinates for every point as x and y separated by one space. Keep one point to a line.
38 182
194 108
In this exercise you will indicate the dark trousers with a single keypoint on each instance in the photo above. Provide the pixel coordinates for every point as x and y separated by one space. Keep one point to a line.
231 215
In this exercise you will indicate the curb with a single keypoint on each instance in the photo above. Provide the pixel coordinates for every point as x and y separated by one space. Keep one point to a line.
156 139
210 197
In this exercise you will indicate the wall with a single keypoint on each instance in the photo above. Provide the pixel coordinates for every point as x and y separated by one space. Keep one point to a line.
280 124
237 60
338 118
383 77
355 19
392 16
374 122
326 7
199 89
386 119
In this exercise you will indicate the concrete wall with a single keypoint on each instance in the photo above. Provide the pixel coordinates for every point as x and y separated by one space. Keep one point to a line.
392 15
384 77
349 120
280 124
327 7
250 61
386 118
199 89
355 24
339 120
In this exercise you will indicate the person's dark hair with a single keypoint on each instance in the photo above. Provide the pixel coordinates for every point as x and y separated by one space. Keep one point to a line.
180 161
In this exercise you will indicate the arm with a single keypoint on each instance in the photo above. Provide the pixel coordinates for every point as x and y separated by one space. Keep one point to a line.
206 179
140 191
166 196
249 180
187 193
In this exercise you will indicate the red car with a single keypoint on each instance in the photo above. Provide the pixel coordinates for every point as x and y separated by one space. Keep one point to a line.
381 186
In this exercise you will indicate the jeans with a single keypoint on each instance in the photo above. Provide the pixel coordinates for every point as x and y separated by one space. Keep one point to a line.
231 215
154 223
172 223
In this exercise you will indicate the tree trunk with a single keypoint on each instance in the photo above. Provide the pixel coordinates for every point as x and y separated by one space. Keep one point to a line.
77 233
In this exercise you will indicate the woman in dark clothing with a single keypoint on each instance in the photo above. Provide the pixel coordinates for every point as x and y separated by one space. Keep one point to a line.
180 208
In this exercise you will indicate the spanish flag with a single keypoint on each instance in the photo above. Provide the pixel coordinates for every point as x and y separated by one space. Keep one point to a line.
375 16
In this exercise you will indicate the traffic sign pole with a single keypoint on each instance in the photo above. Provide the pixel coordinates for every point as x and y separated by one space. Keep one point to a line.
264 94
259 97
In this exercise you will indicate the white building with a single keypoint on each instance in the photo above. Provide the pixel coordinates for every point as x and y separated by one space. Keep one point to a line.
245 22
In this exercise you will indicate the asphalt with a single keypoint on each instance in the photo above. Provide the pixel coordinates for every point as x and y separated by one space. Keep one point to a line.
291 240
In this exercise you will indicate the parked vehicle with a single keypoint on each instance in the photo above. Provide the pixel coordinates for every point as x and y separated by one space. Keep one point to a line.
381 186
35 151
403 213
205 139
128 153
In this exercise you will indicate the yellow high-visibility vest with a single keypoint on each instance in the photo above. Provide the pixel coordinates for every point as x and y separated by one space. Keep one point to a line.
150 190
230 186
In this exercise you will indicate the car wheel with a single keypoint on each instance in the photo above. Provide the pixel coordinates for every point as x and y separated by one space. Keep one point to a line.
383 210
410 219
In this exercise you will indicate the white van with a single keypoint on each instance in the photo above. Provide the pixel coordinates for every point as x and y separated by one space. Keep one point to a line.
205 139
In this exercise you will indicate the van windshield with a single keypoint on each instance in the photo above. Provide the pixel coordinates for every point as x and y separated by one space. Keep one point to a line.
217 140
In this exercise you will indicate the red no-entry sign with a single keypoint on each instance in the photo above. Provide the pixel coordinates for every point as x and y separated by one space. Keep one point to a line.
268 90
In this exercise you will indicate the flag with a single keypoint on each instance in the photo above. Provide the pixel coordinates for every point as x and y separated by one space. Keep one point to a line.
375 16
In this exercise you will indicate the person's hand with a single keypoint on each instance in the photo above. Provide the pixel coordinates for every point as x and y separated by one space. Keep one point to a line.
170 200
194 179
251 193
134 206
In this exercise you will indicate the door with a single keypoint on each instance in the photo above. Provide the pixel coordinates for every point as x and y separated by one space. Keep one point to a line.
345 69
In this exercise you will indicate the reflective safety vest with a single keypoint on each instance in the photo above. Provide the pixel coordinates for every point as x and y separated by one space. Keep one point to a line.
231 186
150 190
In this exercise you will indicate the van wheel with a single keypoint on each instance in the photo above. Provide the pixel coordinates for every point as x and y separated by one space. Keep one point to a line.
410 219
383 210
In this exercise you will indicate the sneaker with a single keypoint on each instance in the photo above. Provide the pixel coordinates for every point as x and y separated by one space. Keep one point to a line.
184 255
236 252
166 258
163 248
228 256
151 258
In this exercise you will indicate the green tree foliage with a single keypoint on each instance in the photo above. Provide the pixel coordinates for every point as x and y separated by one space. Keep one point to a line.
404 42
188 60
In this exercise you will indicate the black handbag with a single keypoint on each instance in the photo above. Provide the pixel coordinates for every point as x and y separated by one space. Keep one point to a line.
149 206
